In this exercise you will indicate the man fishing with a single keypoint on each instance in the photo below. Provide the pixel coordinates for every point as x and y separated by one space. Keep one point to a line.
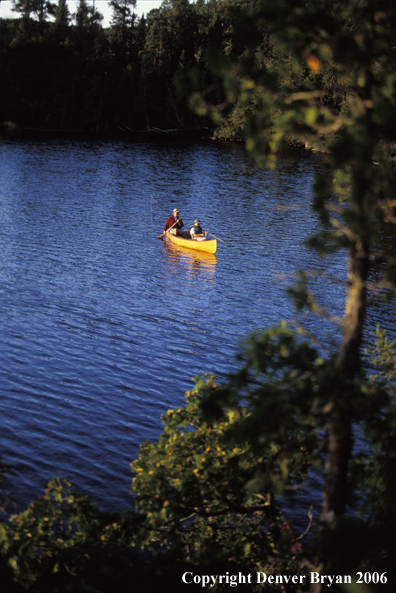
196 230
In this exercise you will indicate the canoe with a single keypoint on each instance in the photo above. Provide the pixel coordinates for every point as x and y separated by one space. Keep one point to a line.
207 245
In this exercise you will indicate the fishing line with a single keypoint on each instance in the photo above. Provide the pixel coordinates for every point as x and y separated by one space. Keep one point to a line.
157 206
152 226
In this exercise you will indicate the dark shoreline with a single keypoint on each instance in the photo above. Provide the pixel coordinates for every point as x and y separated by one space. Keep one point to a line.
150 135
26 133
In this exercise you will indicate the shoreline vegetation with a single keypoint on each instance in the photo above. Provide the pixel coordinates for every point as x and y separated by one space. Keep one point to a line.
65 75
152 134
209 494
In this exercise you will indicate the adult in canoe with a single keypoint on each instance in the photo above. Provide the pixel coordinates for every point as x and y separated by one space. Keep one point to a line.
196 230
174 223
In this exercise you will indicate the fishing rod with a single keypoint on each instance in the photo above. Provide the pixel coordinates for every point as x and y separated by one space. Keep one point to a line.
216 237
154 200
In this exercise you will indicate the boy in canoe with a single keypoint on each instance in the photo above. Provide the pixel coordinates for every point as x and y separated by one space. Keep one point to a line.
174 221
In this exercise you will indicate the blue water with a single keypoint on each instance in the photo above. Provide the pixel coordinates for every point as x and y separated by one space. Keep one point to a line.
103 326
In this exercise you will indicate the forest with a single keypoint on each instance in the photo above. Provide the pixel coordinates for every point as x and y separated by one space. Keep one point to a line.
209 496
65 72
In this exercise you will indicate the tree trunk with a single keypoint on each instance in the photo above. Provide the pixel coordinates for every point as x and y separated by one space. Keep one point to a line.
340 425
340 421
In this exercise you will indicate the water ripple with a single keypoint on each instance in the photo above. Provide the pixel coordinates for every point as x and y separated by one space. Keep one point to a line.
103 326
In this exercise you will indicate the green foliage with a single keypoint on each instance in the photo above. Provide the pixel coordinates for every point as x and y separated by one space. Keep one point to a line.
215 483
200 495
53 524
383 356
61 542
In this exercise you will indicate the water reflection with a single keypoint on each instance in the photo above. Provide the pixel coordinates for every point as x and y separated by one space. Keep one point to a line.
198 264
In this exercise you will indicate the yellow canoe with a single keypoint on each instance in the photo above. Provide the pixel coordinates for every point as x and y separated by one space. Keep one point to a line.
208 245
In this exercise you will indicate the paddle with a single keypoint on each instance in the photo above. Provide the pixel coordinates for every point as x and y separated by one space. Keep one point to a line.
160 236
216 237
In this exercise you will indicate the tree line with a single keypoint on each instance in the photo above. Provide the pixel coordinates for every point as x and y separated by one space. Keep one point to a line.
66 72
63 71
212 493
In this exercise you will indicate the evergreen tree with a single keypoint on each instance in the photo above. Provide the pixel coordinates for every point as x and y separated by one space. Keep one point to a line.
88 34
36 13
123 19
60 27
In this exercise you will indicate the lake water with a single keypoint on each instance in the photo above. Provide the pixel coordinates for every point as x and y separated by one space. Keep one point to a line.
103 326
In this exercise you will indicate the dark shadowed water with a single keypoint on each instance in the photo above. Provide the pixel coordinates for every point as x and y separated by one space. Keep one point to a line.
103 326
